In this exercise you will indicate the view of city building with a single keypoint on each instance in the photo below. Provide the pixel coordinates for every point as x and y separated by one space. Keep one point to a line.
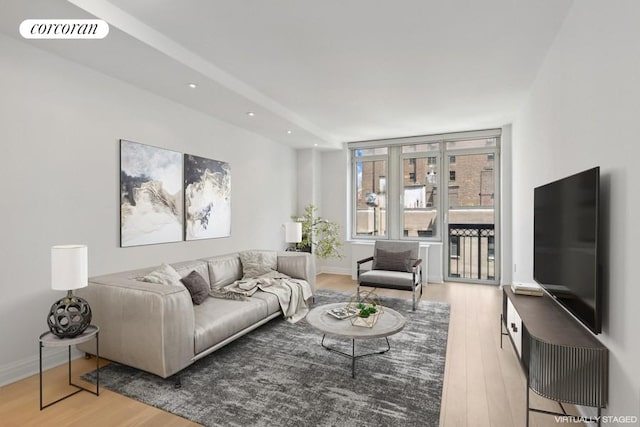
469 180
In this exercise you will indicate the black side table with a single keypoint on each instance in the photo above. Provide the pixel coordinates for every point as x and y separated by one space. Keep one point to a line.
48 339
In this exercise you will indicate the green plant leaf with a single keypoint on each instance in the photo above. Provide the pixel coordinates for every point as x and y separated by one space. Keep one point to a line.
321 235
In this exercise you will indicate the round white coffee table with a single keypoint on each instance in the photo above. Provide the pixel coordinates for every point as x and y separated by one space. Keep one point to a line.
390 322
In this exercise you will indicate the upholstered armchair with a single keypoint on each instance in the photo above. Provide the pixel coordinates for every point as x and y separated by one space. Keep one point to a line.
395 265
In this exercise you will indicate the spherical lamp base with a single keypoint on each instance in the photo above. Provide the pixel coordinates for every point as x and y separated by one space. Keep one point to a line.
69 317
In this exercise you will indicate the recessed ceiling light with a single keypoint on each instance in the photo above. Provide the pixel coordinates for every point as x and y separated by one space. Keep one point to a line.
289 132
250 113
315 145
193 85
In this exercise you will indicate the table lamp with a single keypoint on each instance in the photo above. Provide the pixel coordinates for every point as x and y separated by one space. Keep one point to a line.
293 233
71 315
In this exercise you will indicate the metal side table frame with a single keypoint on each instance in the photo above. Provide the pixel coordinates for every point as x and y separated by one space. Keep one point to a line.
48 339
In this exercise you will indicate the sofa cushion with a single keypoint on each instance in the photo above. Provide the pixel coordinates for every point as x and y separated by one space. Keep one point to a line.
393 261
401 280
185 268
257 263
218 319
163 275
197 287
224 270
273 305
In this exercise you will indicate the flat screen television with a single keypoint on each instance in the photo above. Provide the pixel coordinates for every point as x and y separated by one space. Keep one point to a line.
566 259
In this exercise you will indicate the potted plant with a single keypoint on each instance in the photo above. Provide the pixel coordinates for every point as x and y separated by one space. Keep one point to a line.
319 235
367 309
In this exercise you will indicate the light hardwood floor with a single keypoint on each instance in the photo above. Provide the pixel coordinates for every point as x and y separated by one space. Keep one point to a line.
483 384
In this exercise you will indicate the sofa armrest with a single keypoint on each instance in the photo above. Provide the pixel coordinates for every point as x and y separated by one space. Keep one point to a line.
299 265
143 325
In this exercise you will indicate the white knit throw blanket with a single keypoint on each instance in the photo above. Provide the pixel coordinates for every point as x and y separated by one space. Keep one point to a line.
292 294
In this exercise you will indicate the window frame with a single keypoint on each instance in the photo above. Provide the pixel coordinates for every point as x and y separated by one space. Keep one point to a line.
394 218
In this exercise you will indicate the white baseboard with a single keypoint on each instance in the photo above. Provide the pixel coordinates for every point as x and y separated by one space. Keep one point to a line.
347 272
51 357
335 270
435 279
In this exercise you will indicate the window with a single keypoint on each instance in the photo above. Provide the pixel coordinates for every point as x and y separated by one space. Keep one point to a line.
491 247
370 171
420 194
399 186
412 170
454 247
464 144
453 197
421 148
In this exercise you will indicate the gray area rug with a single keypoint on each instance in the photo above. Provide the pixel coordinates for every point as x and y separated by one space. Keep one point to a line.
279 375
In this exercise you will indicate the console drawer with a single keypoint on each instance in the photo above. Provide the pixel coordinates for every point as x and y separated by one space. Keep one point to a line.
514 326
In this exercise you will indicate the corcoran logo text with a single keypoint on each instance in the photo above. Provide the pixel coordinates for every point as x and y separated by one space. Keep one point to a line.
64 29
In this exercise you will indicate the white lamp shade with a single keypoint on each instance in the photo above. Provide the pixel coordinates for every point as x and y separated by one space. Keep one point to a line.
293 232
69 267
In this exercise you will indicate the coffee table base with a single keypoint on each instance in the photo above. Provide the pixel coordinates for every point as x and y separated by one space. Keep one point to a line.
353 353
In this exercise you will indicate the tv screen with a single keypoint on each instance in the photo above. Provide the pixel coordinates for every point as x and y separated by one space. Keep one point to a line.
565 240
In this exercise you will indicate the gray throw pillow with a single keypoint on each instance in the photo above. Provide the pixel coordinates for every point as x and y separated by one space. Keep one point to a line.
197 287
257 263
392 261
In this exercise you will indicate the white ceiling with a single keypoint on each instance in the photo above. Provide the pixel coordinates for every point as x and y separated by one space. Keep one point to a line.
328 70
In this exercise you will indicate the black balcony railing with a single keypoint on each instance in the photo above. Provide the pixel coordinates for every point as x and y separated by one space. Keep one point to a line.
472 251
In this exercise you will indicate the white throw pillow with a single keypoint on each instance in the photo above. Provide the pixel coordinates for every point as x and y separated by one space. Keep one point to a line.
257 263
163 275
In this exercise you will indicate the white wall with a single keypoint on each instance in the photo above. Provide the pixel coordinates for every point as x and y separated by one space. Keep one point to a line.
60 125
334 201
582 112
308 182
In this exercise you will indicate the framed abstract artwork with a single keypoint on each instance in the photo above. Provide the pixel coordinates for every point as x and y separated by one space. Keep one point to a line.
207 198
151 198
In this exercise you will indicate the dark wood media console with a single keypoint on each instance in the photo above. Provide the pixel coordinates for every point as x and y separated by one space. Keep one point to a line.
561 359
